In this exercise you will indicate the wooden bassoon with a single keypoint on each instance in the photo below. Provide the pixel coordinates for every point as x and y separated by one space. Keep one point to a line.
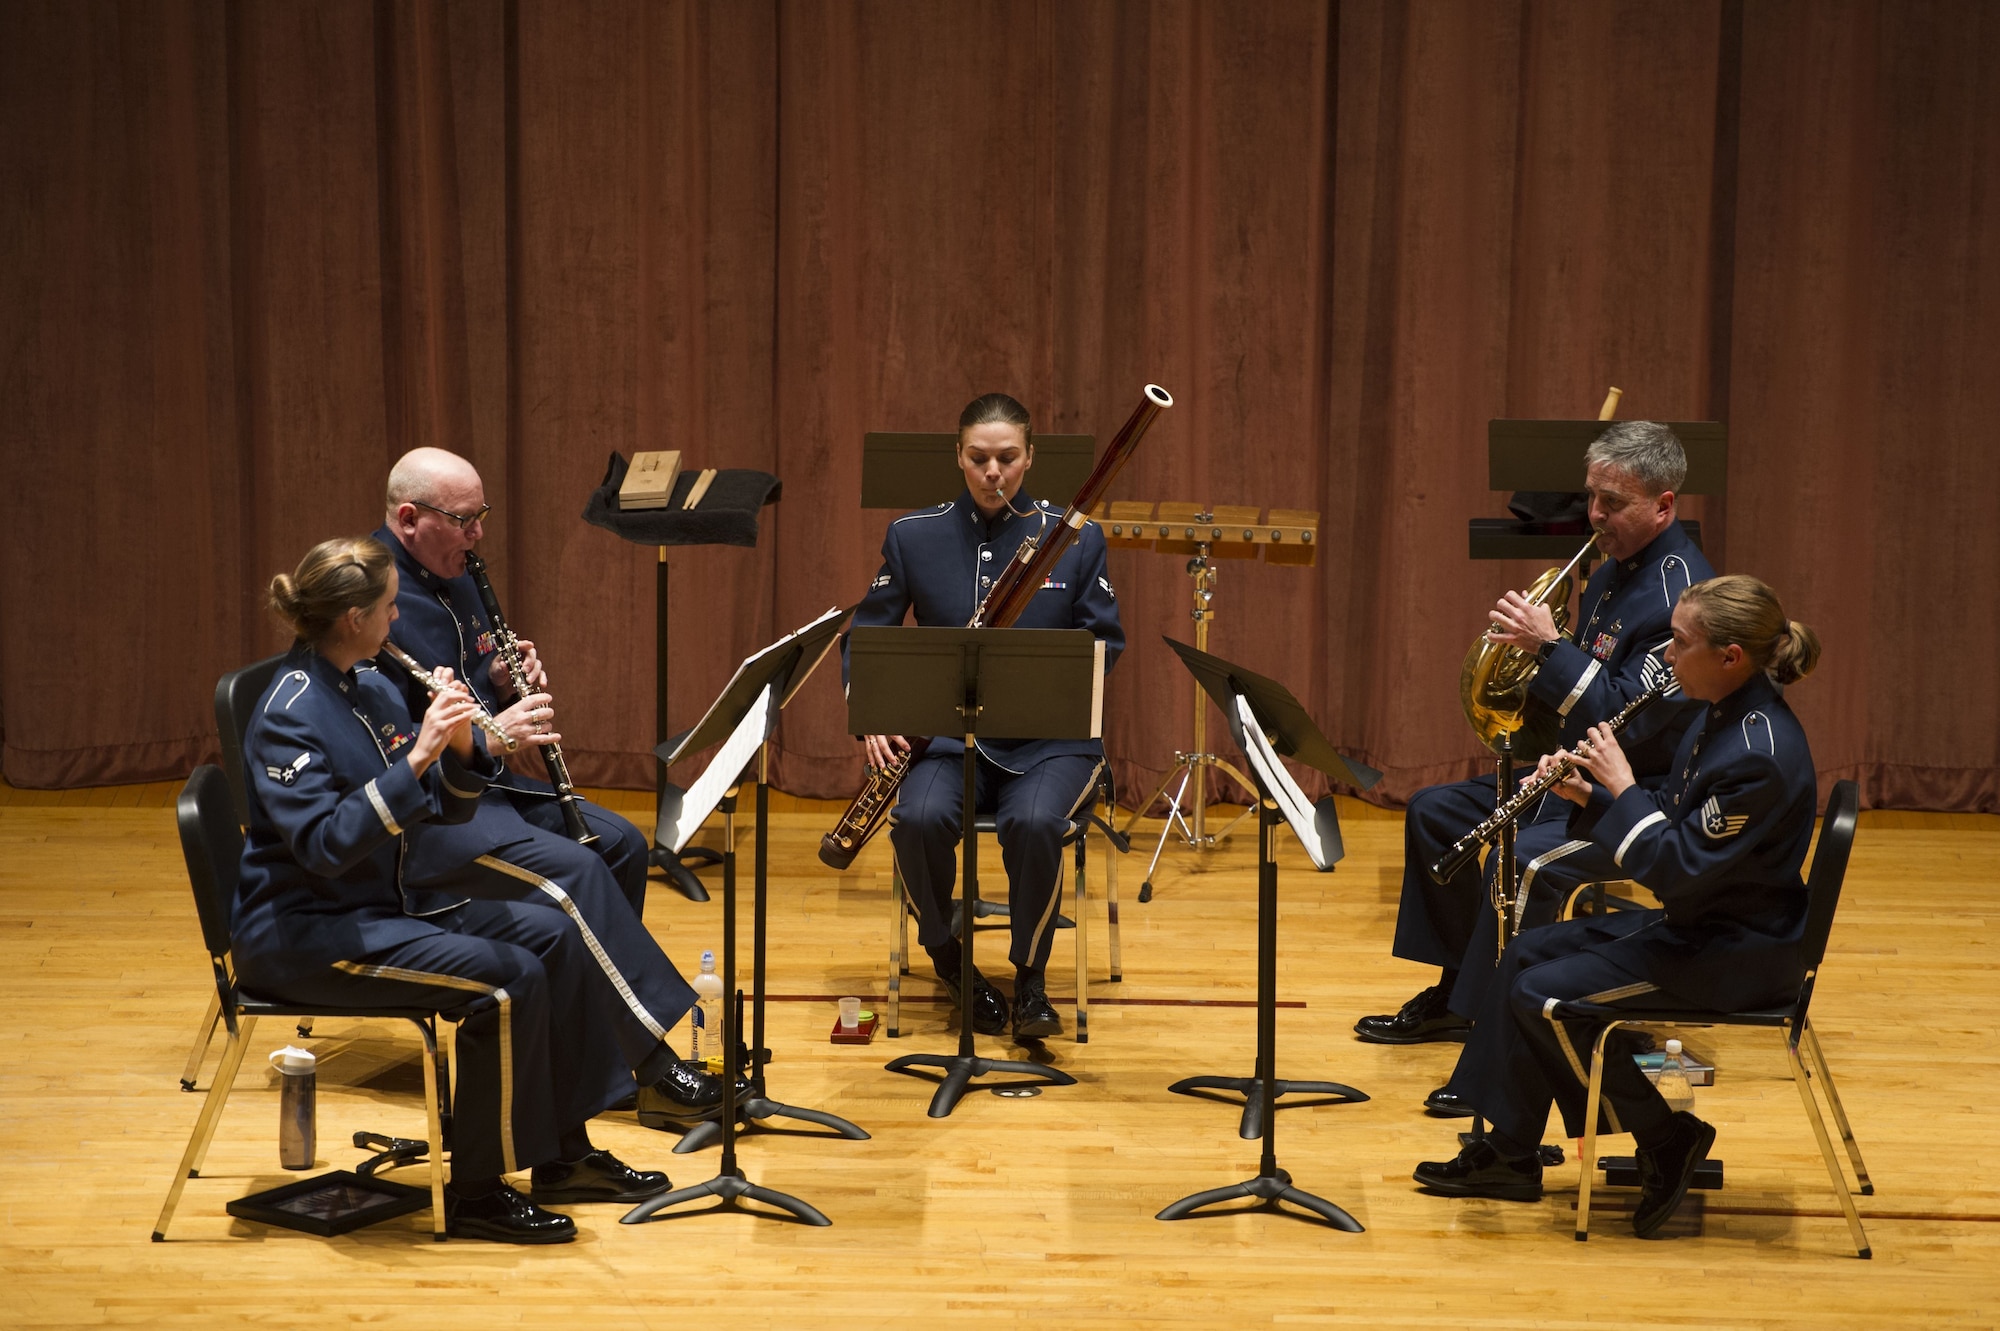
1003 604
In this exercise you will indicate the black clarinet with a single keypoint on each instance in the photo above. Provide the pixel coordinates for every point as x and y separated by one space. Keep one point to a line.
510 652
1467 847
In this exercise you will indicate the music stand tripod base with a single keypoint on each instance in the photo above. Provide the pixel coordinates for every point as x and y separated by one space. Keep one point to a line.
731 1189
679 876
1252 1091
757 1108
1268 1190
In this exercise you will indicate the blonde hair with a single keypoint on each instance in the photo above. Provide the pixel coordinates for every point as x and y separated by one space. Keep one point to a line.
336 576
1739 609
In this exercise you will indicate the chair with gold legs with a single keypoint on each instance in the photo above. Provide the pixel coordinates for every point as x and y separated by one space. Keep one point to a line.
212 841
1802 1048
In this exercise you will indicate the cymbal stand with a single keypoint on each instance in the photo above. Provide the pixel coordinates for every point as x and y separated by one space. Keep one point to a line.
1191 818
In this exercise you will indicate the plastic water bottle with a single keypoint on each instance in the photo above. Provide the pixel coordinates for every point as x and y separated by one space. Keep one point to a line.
297 1134
707 1036
1673 1082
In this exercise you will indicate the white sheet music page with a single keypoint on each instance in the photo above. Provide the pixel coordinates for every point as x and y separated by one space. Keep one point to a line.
1291 801
722 772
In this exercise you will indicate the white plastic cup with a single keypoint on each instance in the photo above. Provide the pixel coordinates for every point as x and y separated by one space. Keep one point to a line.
850 1013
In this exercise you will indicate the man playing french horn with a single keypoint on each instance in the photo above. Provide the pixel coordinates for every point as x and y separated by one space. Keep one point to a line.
1633 472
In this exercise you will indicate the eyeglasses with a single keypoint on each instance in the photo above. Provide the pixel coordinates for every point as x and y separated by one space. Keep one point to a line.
462 520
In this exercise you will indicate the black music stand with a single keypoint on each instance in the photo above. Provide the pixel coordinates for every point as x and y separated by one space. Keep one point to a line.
1004 684
1255 706
807 648
1547 456
727 515
742 719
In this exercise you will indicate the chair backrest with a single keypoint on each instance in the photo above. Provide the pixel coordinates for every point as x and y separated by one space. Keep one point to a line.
1829 868
236 695
212 844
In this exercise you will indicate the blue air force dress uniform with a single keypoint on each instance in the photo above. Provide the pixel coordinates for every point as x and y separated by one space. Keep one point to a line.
1613 656
1721 845
941 562
441 621
323 915
503 852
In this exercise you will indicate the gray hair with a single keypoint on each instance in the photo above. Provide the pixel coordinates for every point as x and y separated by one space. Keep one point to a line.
1646 449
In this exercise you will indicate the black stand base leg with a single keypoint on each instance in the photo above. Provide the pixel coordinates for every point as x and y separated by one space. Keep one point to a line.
960 1069
1252 1091
1267 1190
731 1189
755 1110
679 876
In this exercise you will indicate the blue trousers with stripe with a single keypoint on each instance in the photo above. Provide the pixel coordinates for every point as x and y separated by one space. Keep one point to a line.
517 979
637 994
1517 1062
1031 815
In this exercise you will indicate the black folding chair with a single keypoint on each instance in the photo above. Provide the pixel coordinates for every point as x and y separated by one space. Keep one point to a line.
212 842
236 695
1829 868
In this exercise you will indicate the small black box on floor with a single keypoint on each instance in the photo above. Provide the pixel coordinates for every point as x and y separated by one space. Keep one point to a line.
1622 1171
329 1204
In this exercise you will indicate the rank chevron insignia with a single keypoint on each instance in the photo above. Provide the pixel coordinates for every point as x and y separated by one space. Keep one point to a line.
1719 825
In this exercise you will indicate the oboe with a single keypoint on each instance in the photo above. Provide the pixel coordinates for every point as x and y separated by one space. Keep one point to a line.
510 652
434 686
1467 846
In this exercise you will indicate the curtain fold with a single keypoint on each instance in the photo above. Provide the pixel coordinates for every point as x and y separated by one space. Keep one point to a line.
260 250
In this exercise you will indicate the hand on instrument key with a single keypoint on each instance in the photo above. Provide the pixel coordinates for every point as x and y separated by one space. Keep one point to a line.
531 665
1598 754
1519 622
1572 787
531 720
883 749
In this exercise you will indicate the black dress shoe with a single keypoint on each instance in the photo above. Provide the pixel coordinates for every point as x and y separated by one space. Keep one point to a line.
684 1094
1443 1103
989 1010
1666 1171
598 1177
504 1216
1033 1017
1480 1172
1423 1019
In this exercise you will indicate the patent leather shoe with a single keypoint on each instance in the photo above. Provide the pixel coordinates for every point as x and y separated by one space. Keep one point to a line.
598 1177
1444 1103
1479 1171
683 1094
1667 1171
1034 1017
989 1010
1422 1020
504 1216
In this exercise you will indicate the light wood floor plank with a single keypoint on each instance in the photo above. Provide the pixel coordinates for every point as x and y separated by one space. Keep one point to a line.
1012 1211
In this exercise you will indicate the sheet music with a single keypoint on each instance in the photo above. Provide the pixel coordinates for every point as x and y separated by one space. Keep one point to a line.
799 677
721 773
1291 801
749 663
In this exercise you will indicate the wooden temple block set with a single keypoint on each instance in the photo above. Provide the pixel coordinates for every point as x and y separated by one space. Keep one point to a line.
1282 535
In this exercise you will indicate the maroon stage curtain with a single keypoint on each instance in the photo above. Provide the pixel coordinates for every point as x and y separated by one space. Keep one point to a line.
256 251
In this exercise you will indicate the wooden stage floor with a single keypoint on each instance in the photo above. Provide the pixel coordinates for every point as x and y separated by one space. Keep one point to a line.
1032 1211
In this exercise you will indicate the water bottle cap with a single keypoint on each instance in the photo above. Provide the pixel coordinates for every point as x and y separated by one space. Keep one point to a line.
1674 1047
293 1060
708 959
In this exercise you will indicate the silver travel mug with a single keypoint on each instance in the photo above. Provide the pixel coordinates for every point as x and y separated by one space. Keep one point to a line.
297 1135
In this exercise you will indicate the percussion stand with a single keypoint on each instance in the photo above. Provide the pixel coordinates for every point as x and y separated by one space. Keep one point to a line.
1192 768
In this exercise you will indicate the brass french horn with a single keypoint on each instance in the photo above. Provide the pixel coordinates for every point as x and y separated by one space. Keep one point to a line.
1493 682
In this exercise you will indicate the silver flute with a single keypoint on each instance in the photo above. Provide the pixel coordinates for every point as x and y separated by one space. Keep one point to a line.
434 686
